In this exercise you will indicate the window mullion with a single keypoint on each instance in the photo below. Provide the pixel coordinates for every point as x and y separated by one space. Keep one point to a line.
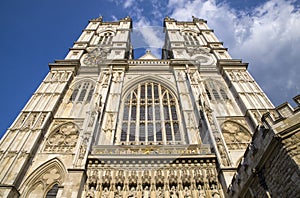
171 119
162 120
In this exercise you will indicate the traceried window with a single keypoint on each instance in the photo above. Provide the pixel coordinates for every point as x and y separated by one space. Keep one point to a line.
82 92
106 38
52 192
214 91
150 116
190 38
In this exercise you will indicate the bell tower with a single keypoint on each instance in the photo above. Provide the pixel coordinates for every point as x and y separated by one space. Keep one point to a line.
227 102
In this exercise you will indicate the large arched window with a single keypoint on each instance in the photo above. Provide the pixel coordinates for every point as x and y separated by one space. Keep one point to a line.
150 116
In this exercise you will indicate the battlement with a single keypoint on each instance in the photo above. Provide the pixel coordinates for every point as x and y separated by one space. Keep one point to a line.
281 112
270 143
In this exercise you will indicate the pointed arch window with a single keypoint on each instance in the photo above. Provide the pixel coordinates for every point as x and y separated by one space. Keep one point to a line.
224 95
216 94
190 38
83 92
150 116
52 192
106 38
215 91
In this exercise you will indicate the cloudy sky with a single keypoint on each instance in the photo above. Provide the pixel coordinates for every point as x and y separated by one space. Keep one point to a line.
264 33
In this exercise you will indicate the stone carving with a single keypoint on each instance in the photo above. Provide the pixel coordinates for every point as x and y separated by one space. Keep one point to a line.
198 50
236 136
132 193
146 192
173 192
185 178
96 56
105 193
120 178
106 179
146 179
50 176
186 192
159 192
63 139
214 191
118 192
168 182
93 180
222 151
91 193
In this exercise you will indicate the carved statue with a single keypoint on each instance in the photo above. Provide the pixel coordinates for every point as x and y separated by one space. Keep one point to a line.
173 192
105 193
118 193
201 194
187 193
120 178
91 193
159 178
185 178
146 178
159 193
132 178
214 192
146 192
132 193
106 178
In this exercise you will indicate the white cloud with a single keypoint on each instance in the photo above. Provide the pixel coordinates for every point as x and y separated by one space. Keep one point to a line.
147 36
128 3
268 38
114 18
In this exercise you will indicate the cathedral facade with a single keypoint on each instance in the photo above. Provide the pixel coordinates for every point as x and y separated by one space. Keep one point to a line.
103 124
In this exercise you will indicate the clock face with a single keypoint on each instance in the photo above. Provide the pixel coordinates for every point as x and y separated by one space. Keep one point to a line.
95 56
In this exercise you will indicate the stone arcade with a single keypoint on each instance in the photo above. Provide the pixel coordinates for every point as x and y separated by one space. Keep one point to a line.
103 124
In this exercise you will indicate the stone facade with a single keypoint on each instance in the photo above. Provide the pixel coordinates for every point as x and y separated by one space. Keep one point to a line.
103 124
270 166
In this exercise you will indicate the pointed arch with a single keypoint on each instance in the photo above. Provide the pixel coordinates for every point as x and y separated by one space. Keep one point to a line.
149 78
150 118
40 181
215 89
82 90
236 135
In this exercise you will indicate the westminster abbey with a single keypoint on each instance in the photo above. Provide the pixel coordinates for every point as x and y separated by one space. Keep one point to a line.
193 123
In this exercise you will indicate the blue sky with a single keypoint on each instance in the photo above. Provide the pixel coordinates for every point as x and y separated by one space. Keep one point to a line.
265 33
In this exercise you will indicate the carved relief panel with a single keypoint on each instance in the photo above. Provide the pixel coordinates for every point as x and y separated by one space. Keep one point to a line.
236 136
159 180
62 139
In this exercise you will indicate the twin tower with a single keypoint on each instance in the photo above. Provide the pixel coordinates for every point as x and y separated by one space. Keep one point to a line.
103 124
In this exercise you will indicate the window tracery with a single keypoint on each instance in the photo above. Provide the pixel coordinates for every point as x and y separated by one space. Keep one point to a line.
215 91
106 38
190 38
236 136
83 92
52 192
150 116
63 139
